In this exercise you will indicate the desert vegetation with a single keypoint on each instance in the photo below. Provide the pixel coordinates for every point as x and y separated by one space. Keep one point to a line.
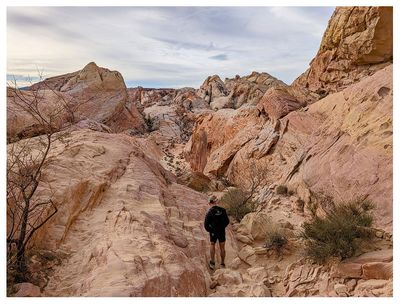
237 203
340 232
26 161
242 199
275 238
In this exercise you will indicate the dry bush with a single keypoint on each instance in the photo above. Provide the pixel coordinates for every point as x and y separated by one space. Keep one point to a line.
275 238
237 203
340 232
26 161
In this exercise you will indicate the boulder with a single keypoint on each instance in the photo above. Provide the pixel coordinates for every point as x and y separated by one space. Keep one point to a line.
227 277
221 103
249 89
247 255
27 290
374 288
340 289
257 224
278 102
196 180
378 270
213 87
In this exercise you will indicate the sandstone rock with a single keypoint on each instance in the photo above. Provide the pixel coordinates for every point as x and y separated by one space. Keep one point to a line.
347 270
260 250
94 95
373 288
114 224
27 290
340 289
257 224
221 102
351 284
385 255
227 277
378 270
213 284
347 141
196 180
244 239
217 137
242 290
247 254
213 87
266 139
277 102
93 125
357 43
94 78
258 274
235 263
249 89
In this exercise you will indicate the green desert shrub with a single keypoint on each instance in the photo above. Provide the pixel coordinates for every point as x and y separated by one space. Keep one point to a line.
281 189
237 203
340 233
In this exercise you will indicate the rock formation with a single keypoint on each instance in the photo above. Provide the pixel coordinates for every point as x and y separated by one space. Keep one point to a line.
357 43
93 93
124 226
326 147
235 92
132 172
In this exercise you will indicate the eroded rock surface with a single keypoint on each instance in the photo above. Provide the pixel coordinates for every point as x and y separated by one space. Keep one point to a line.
128 228
357 43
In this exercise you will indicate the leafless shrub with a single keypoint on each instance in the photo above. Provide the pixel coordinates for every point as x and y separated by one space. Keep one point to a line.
26 161
243 199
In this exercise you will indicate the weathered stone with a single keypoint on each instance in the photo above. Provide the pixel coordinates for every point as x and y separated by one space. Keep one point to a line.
257 224
244 239
340 289
227 277
278 102
347 270
261 250
247 254
373 288
27 290
357 43
378 270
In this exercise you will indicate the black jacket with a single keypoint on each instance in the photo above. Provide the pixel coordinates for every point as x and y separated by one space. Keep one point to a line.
216 219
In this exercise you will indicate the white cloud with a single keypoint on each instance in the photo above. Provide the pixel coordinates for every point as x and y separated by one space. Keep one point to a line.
165 46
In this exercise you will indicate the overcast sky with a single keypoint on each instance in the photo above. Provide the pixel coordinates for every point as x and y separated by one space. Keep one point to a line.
164 46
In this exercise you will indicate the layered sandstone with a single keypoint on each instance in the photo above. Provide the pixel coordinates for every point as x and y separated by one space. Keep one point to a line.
235 92
123 226
357 43
341 145
92 94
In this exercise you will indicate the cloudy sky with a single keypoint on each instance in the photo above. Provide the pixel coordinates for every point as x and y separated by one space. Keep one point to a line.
164 46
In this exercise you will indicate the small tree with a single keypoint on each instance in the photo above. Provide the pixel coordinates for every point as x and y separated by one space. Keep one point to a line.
243 199
237 203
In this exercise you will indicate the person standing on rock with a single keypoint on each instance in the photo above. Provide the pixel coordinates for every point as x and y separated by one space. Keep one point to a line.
215 223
